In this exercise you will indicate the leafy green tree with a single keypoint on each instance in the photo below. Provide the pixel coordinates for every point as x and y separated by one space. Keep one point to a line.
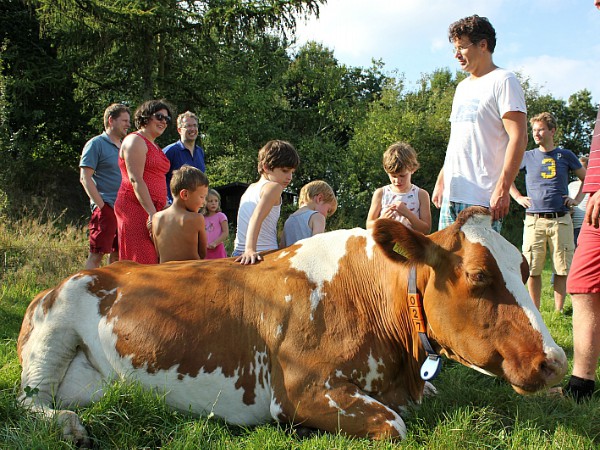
326 100
137 49
419 118
64 61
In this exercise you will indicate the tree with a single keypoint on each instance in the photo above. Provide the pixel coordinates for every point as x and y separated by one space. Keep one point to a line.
419 118
63 61
326 100
39 116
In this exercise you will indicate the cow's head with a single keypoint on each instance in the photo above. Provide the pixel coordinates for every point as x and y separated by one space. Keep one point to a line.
477 308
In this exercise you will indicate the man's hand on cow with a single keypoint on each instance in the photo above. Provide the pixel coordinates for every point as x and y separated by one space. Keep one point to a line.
249 258
592 211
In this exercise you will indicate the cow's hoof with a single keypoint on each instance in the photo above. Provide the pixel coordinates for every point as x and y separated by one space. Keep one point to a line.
72 429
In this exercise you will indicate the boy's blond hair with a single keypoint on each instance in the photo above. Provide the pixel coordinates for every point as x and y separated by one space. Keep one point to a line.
214 193
187 177
314 188
399 157
276 154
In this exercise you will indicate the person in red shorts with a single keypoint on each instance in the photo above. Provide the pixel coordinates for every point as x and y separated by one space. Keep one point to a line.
101 178
583 282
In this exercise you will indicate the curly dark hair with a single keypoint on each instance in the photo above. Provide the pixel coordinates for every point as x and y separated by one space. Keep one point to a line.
145 110
476 29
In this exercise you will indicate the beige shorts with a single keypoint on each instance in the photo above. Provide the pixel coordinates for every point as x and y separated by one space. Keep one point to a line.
539 233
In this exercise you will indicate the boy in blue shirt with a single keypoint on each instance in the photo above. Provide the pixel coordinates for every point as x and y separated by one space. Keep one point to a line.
547 215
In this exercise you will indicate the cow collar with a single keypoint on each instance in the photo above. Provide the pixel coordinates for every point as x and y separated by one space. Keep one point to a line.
433 363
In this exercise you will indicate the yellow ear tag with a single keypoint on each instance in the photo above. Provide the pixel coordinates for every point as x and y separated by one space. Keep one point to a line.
398 249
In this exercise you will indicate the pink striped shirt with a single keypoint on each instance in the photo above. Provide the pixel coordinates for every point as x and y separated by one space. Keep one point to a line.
592 176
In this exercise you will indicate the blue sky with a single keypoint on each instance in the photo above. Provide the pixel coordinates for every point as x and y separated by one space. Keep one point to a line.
555 43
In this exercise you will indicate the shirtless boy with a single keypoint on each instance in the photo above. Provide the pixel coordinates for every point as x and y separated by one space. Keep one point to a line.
178 231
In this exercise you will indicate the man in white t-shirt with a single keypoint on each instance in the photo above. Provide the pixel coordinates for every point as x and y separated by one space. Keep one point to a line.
488 133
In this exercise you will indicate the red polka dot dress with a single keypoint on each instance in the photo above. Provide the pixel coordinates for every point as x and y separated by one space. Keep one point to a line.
135 243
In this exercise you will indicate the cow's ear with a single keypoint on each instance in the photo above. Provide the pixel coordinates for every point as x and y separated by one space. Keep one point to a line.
403 244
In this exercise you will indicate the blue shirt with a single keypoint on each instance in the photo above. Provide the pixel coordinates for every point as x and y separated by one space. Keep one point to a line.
547 178
179 155
102 155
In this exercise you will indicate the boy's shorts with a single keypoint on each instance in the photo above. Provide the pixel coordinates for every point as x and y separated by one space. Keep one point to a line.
103 230
449 212
538 233
584 277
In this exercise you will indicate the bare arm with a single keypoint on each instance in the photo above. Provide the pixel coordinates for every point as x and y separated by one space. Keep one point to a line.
154 236
424 220
317 223
438 190
134 152
270 196
515 124
200 226
85 177
521 199
375 208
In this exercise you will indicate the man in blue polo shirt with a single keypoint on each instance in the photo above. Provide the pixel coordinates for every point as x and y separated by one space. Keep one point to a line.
101 178
547 215
184 151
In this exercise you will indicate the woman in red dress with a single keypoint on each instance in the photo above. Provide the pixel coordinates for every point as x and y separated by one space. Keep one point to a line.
143 189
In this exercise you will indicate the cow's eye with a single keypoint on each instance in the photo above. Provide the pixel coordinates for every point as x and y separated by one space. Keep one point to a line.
477 278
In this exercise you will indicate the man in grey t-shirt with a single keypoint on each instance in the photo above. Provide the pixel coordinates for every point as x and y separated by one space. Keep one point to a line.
101 178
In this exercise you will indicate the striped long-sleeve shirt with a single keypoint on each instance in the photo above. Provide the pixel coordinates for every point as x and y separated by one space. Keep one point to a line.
592 176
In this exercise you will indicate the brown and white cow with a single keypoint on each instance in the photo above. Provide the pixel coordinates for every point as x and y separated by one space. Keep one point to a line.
317 334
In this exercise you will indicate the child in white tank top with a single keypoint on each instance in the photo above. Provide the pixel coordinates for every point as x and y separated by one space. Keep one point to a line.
261 203
401 200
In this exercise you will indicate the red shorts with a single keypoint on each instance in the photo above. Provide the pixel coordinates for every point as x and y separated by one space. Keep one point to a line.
103 230
584 275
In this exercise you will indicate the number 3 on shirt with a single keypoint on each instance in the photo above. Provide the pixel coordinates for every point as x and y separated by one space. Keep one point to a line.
549 164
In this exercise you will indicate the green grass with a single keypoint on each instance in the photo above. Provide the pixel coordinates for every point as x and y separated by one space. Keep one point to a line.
471 411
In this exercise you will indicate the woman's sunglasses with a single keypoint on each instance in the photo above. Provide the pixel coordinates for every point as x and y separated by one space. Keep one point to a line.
160 117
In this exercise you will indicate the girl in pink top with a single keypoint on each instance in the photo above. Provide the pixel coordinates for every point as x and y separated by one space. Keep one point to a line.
217 227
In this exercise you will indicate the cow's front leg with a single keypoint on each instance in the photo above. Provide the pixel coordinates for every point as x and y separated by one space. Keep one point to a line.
344 408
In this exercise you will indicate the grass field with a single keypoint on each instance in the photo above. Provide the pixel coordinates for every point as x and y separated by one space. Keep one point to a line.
471 411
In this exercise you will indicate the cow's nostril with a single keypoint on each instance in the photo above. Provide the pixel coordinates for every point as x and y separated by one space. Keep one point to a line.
553 369
547 368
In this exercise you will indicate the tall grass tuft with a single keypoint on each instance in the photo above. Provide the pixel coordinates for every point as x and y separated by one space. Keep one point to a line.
471 411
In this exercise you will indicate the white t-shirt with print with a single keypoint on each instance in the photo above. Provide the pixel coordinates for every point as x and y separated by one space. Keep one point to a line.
478 140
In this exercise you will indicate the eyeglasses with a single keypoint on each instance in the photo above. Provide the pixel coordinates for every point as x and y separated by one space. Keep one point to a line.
189 125
455 50
160 117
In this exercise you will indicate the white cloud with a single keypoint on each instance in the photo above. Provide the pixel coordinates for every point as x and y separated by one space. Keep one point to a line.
560 76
